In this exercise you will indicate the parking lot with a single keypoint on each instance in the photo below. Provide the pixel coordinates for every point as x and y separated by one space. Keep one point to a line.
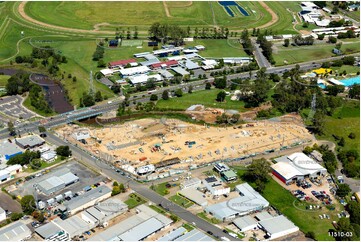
86 178
7 203
12 107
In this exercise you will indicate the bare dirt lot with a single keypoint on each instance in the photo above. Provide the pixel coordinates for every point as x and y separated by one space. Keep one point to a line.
149 141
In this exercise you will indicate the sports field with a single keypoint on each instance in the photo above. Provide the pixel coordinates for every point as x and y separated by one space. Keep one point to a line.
99 15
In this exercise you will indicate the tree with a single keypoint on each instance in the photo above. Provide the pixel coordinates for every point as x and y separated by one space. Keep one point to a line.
28 204
11 128
354 91
334 90
311 235
343 190
348 60
135 35
74 79
221 83
332 40
115 191
101 63
353 207
342 142
286 42
221 96
98 96
16 216
38 215
178 93
190 89
42 129
258 170
352 135
208 86
63 150
150 84
153 97
165 95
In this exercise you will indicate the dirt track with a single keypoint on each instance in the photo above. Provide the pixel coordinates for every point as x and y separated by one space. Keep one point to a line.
273 14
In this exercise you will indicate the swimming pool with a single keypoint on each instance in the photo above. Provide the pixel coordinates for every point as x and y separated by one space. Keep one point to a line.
351 81
323 86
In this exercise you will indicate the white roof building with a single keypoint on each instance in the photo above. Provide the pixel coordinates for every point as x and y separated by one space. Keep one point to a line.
17 231
279 226
2 214
143 78
134 70
245 223
194 195
191 183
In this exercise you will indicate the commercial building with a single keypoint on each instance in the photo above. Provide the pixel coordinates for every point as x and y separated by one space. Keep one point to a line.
245 223
2 214
166 74
248 201
138 227
56 183
134 71
296 166
104 211
221 167
165 64
29 142
180 71
238 60
276 227
9 172
191 183
194 195
87 199
143 78
194 235
17 231
215 186
8 150
121 63
229 175
81 134
48 156
173 235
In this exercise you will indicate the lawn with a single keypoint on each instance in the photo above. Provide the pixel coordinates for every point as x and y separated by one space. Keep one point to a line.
284 24
44 165
161 189
287 204
220 48
309 53
347 68
345 120
208 218
134 200
206 97
188 227
181 201
3 80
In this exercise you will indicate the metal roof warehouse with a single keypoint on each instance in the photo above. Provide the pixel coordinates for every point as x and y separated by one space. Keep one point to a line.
278 226
56 183
194 235
16 231
31 141
8 150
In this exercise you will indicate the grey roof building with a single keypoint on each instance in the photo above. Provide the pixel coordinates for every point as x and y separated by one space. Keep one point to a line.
8 150
138 227
245 223
87 199
30 141
17 231
56 183
194 195
180 71
263 216
173 235
165 74
194 235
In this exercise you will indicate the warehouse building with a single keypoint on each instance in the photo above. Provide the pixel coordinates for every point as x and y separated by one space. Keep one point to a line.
194 195
134 71
296 166
181 71
87 199
17 231
194 235
245 223
104 211
29 142
143 78
9 172
248 201
276 227
2 214
138 227
55 183
8 150
173 235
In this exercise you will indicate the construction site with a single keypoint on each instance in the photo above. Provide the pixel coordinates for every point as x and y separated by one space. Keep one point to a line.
147 145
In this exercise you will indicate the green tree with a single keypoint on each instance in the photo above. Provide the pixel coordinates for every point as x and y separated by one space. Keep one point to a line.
11 128
63 150
16 216
352 135
98 96
353 207
342 142
208 86
42 129
286 42
28 204
179 92
258 170
343 190
115 191
153 97
221 96
165 95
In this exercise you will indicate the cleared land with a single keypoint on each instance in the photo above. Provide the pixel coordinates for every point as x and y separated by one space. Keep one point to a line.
139 137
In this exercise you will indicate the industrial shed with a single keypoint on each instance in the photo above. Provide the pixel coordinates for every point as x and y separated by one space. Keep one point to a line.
56 183
194 235
29 142
245 223
194 195
173 235
17 231
279 226
8 150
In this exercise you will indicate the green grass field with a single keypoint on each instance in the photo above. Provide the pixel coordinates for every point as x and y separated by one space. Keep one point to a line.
3 80
161 188
220 48
181 201
345 120
206 97
293 54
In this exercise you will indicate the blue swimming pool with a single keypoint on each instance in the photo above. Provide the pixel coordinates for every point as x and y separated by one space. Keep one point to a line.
351 81
323 86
